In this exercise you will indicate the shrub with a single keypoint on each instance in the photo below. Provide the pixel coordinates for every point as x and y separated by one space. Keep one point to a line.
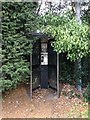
17 19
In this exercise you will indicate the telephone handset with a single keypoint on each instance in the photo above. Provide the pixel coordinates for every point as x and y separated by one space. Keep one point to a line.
44 58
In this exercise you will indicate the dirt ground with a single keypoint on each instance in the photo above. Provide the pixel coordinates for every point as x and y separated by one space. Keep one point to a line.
44 104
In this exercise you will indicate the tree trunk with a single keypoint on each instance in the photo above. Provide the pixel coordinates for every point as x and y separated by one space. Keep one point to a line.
78 62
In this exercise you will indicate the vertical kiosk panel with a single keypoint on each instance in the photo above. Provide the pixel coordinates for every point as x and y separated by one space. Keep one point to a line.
52 66
36 65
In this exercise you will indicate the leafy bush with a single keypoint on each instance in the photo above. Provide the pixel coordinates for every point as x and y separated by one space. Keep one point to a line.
17 19
70 36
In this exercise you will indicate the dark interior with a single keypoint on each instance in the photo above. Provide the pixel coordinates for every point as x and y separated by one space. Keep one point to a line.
44 65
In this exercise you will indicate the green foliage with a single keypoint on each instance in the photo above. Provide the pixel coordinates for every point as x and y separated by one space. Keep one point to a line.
68 73
18 18
86 16
86 94
85 70
70 36
66 70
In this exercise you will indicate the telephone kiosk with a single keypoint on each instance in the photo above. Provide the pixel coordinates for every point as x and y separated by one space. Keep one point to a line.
43 65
